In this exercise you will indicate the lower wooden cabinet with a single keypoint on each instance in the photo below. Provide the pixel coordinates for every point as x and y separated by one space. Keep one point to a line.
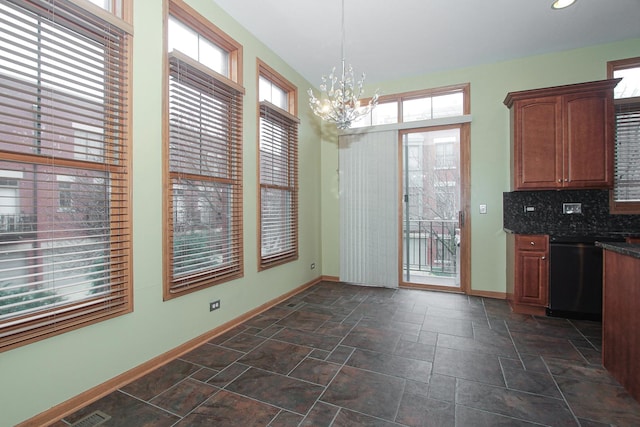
621 320
528 284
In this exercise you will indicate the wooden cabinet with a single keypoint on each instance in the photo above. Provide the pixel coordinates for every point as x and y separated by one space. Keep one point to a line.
562 137
621 320
528 284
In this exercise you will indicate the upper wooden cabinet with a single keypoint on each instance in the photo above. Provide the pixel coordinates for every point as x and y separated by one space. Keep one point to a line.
562 137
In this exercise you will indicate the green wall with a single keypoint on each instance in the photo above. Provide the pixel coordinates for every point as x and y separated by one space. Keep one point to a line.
490 146
40 375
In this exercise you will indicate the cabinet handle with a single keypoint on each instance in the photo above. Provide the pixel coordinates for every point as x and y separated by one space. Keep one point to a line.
544 257
566 180
532 243
559 179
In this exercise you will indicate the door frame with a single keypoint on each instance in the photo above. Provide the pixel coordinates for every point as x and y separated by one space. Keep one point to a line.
464 217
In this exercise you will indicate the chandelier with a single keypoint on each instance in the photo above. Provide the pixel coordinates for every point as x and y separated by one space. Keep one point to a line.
339 101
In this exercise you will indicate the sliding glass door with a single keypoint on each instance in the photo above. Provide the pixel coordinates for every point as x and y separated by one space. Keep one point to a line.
432 194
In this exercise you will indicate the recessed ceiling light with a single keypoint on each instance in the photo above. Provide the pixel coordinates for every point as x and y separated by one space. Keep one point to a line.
561 4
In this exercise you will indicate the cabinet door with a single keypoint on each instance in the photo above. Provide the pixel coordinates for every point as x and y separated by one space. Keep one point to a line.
537 143
588 140
532 278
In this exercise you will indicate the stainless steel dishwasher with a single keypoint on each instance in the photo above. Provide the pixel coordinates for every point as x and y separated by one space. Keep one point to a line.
575 277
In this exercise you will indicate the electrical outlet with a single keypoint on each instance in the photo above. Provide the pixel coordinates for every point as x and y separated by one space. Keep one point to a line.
313 265
572 208
214 305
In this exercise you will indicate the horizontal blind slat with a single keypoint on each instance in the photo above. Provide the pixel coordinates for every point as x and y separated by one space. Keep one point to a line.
205 118
64 224
627 151
278 179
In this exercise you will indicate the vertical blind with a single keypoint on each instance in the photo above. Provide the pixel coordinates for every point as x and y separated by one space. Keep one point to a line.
369 220
64 187
627 164
278 185
205 174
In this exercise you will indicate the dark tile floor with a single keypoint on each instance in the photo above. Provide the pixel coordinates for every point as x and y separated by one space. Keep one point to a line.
344 355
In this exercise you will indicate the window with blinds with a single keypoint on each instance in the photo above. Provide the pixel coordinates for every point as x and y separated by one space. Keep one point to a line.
65 241
204 181
627 167
626 191
278 170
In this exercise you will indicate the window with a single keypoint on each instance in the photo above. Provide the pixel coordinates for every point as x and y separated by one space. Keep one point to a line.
445 155
414 179
278 168
113 6
416 109
385 113
10 218
88 142
188 41
203 242
268 91
65 195
421 105
65 241
626 193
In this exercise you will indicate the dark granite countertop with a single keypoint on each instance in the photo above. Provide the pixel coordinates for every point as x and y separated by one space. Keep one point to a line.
630 249
575 232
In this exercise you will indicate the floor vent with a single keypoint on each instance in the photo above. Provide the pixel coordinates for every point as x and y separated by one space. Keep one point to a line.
93 419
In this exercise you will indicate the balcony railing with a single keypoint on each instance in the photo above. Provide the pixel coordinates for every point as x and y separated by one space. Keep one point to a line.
432 246
16 226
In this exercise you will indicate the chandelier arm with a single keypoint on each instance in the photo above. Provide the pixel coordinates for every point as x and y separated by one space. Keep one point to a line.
340 103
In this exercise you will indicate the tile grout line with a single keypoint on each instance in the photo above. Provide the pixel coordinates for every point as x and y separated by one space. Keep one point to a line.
153 404
351 309
548 371
339 344
404 389
564 398
249 367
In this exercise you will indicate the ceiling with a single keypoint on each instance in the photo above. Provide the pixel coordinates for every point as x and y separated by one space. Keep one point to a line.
401 38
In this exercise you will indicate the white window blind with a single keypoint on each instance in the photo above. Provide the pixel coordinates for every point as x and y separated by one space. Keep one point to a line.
369 208
278 185
64 229
205 176
627 164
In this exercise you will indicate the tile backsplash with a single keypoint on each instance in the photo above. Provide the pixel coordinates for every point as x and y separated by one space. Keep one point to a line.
541 212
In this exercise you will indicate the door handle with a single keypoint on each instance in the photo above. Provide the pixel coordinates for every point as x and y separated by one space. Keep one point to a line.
461 219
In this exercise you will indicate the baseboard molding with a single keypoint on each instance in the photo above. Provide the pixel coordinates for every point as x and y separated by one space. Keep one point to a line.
532 310
425 287
489 294
72 405
330 278
451 289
